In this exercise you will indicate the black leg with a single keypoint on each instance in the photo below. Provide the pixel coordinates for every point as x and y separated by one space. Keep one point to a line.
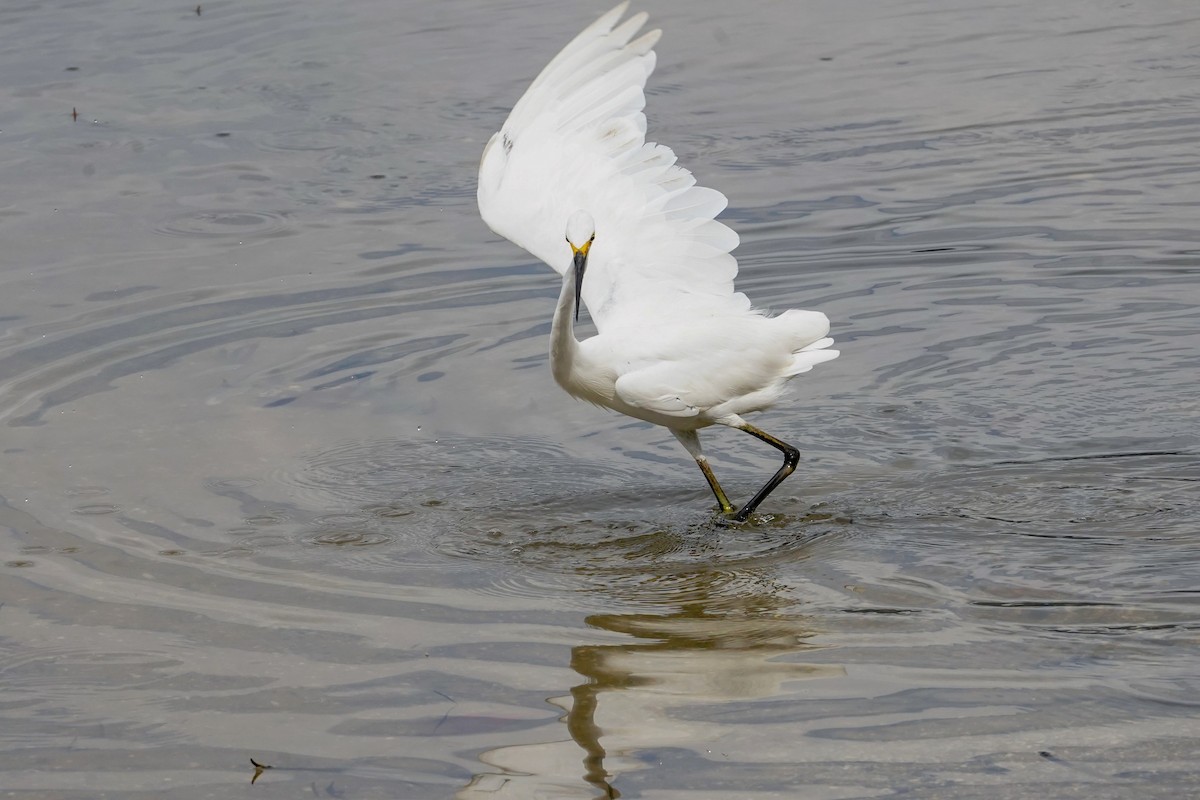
791 457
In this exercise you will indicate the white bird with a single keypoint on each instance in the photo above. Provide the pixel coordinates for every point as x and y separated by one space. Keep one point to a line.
571 178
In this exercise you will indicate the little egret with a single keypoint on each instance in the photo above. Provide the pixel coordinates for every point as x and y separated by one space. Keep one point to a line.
571 178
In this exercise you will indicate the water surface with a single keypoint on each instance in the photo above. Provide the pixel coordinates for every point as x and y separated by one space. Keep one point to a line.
284 475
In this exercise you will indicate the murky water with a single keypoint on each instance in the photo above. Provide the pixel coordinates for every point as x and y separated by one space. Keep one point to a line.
285 475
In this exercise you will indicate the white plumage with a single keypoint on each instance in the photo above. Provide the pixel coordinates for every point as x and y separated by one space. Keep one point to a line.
570 178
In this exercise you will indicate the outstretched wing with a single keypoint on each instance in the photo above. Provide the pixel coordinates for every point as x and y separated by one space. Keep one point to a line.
577 140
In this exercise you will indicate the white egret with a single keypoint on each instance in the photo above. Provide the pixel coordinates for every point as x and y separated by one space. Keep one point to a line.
571 178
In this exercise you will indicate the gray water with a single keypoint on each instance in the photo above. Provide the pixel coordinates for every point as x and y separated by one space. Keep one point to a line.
284 474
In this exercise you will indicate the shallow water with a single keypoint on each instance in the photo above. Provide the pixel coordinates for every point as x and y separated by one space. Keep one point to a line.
285 475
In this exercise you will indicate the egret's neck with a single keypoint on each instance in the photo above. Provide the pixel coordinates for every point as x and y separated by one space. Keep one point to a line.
564 347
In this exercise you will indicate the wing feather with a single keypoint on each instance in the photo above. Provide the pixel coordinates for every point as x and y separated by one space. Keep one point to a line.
577 140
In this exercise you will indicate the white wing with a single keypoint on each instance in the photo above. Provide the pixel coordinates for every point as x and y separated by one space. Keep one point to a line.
577 140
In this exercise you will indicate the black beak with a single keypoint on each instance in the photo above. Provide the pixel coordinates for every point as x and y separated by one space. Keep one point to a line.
580 267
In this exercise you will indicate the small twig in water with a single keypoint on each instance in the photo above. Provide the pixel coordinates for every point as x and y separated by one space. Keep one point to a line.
259 769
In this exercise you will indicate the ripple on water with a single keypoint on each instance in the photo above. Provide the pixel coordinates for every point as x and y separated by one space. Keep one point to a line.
1101 496
224 222
97 509
1028 544
302 139
554 523
220 485
393 475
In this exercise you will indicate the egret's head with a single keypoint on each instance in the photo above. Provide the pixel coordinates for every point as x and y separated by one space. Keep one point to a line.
581 232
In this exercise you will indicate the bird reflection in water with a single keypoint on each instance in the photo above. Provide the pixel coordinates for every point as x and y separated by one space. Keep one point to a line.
705 653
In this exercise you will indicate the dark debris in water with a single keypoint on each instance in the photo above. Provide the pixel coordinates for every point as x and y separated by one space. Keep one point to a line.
259 769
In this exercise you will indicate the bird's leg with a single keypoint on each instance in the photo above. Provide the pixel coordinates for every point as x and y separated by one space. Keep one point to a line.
726 506
691 442
791 457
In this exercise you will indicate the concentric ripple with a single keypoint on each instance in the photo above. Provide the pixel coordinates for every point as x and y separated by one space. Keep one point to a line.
224 222
552 522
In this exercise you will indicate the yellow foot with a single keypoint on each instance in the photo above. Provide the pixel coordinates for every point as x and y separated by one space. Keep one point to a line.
728 518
